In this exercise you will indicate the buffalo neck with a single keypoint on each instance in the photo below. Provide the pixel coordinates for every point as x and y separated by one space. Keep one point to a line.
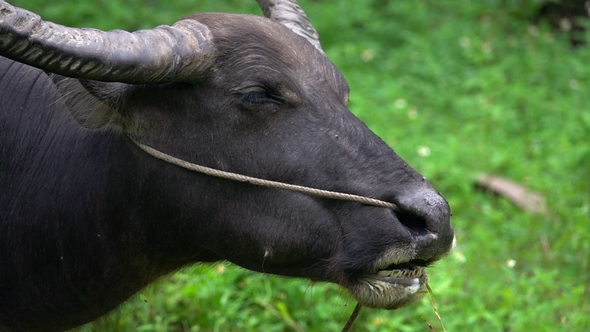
91 177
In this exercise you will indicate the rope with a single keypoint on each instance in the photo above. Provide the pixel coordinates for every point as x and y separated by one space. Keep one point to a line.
352 318
272 184
265 183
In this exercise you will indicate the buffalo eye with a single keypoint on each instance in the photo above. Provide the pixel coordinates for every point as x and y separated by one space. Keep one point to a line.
259 97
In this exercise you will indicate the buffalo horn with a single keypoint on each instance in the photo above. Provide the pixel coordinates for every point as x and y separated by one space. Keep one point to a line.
290 14
164 54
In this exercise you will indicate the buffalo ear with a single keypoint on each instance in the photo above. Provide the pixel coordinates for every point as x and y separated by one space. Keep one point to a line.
93 104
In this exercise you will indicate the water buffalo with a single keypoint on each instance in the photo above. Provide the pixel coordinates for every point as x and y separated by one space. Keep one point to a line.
87 218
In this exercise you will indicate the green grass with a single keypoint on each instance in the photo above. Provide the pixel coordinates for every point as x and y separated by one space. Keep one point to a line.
456 88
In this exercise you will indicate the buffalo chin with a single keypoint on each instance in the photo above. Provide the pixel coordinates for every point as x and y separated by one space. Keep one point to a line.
390 289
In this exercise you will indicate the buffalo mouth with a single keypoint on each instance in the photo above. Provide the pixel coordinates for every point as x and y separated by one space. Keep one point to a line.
391 287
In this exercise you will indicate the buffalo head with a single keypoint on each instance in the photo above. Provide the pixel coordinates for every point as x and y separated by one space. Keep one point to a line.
240 93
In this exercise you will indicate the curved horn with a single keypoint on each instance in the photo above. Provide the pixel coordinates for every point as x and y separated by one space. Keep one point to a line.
290 14
163 54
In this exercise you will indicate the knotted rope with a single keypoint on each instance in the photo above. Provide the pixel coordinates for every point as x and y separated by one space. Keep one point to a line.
262 182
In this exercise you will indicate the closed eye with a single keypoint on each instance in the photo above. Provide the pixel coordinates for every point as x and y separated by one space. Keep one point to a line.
260 97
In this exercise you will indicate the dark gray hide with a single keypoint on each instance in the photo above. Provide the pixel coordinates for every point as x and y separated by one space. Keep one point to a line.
87 219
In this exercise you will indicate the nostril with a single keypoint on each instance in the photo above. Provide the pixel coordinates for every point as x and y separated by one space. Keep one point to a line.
425 209
426 215
415 224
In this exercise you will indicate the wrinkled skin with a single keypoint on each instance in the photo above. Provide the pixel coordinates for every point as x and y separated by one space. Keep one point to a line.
87 219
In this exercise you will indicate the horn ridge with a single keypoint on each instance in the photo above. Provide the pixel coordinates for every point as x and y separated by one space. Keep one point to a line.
290 14
180 52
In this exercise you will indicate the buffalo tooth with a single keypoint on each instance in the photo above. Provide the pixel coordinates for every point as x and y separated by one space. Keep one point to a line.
415 286
384 273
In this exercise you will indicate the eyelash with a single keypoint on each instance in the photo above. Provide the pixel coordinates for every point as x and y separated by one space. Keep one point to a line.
260 97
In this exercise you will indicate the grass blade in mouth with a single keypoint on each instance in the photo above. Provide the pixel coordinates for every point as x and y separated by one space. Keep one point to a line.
433 304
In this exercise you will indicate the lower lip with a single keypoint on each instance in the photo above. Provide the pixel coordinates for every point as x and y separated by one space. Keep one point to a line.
382 292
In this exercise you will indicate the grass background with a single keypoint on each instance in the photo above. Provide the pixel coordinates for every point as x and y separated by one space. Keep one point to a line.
456 87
